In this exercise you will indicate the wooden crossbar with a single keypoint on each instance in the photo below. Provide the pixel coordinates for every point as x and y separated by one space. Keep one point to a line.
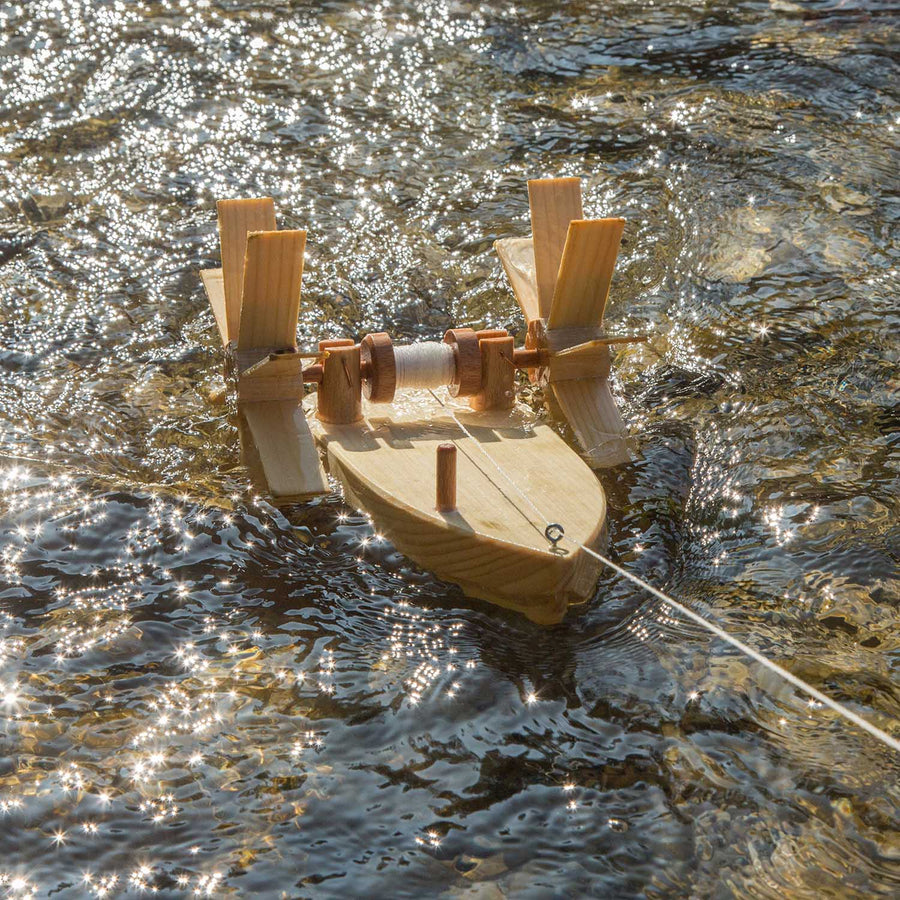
585 273
271 296
588 360
236 219
554 203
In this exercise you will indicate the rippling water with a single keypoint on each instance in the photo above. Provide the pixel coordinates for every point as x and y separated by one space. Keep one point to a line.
201 694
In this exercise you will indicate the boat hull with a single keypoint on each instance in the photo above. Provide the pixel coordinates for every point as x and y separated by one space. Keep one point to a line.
515 476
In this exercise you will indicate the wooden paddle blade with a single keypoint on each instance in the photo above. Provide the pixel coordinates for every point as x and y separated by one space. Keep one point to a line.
517 257
554 203
214 283
287 451
278 376
585 272
589 407
271 294
236 219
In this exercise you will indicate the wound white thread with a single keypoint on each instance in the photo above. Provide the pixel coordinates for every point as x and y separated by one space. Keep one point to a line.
428 364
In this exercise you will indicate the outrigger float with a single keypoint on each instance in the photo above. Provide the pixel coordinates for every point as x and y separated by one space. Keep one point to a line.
429 438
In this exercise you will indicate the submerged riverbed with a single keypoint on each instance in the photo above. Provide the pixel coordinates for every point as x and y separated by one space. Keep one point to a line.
202 694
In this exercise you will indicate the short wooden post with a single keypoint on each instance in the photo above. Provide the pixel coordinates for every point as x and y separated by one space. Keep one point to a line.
445 478
339 395
498 375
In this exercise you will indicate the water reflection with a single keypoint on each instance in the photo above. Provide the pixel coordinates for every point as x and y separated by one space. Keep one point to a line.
201 695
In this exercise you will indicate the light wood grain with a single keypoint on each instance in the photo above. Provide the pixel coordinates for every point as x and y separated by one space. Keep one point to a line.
554 203
589 407
340 391
277 376
263 388
517 258
493 544
445 478
498 374
214 282
236 219
278 364
467 362
585 273
271 297
588 360
287 452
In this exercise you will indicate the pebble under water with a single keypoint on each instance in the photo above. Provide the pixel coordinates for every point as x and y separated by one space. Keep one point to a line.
203 695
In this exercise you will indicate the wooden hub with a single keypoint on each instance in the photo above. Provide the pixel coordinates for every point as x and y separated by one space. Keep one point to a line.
379 367
467 381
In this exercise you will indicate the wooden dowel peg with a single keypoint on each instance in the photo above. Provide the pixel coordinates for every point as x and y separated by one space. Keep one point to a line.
498 375
339 396
637 337
274 364
525 358
445 478
313 374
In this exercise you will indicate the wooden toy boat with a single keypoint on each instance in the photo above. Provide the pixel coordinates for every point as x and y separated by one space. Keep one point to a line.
428 438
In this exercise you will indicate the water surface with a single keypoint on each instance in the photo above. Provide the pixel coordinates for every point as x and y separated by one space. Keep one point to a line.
202 694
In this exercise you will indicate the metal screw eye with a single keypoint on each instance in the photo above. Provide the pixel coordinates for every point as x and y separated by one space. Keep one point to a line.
554 533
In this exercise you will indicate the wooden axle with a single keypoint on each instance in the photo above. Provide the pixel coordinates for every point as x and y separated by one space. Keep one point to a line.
484 365
279 374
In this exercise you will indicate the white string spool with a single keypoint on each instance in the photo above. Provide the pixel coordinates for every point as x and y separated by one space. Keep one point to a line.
428 364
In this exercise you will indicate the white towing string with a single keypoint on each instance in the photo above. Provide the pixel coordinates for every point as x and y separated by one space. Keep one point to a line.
686 611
